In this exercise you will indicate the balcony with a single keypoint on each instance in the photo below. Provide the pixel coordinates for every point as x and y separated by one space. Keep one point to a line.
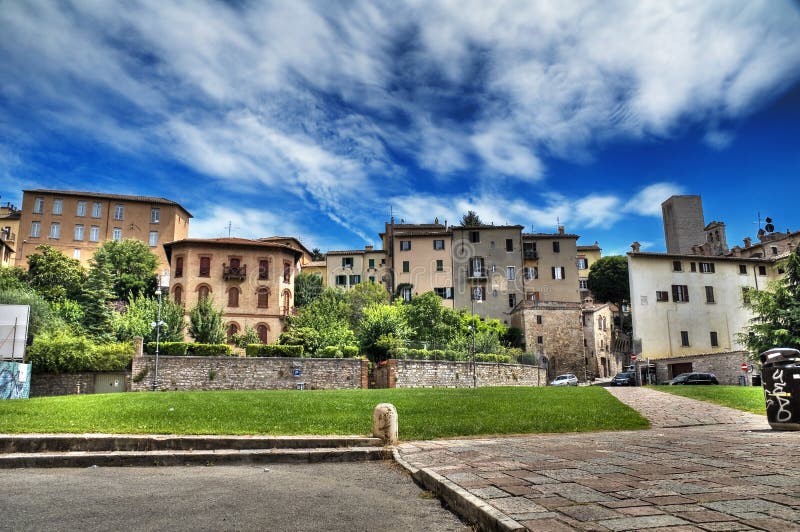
234 273
477 274
530 255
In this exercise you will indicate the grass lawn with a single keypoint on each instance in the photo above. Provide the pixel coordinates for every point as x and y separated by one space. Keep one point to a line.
423 413
746 398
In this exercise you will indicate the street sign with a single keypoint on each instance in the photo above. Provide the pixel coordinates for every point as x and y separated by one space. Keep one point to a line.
633 357
744 366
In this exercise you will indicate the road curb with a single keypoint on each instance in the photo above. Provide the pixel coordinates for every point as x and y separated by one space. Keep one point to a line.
466 505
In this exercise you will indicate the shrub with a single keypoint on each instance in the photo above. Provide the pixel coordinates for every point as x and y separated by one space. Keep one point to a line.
350 351
274 350
113 357
330 351
493 357
61 352
170 349
210 350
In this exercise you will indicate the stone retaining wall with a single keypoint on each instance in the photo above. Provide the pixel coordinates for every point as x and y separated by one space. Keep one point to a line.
726 366
448 374
49 385
234 373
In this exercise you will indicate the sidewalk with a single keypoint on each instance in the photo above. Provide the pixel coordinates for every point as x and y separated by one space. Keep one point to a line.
702 467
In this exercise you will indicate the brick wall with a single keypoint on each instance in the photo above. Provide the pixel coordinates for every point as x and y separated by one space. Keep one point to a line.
233 373
446 374
726 366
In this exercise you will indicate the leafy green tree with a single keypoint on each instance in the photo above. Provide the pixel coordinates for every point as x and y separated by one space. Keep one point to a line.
363 295
41 318
777 312
54 275
137 317
431 323
13 278
382 327
132 266
471 219
205 323
95 300
247 336
321 323
307 287
317 255
608 280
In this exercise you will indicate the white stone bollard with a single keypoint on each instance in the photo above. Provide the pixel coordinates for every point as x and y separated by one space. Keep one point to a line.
384 423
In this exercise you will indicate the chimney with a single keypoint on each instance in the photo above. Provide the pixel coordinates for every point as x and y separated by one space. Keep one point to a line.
368 248
748 242
560 229
635 247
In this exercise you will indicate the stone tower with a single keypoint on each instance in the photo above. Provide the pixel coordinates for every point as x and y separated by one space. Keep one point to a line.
683 223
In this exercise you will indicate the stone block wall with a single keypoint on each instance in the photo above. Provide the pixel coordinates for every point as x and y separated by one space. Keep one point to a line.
561 333
48 385
233 373
447 374
726 366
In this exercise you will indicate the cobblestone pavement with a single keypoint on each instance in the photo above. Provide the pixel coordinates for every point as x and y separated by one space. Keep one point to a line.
701 467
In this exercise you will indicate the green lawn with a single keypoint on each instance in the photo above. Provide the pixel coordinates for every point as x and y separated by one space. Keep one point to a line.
746 398
423 413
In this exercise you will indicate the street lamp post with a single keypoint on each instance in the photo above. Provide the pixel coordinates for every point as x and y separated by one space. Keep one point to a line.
162 279
472 326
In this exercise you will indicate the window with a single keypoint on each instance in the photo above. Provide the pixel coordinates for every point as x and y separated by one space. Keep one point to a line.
94 233
153 241
709 294
205 266
116 233
286 297
263 269
684 338
512 300
81 209
540 340
406 266
706 267
444 293
531 273
714 340
774 250
583 284
762 270
155 215
78 231
509 244
745 294
372 278
558 272
743 269
511 273
405 293
538 319
347 262
676 266
556 246
583 264
262 298
97 209
233 329
76 254
405 245
233 297
662 296
355 279
177 294
55 230
438 244
341 280
58 205
476 267
693 266
119 212
533 296
371 264
474 236
680 293
179 267
36 229
203 291
38 206
287 272
439 265
478 293
263 332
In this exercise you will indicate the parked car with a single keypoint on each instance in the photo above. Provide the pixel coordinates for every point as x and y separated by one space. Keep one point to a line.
625 378
695 378
565 380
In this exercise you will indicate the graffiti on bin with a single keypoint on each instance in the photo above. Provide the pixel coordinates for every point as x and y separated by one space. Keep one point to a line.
778 397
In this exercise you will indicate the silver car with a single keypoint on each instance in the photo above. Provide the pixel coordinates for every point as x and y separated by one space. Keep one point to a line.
565 380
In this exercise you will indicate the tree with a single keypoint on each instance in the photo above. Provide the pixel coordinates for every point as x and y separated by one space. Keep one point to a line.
608 280
471 219
95 298
363 295
777 312
382 327
317 255
246 337
132 267
41 317
13 277
137 317
321 323
431 323
205 323
54 275
307 287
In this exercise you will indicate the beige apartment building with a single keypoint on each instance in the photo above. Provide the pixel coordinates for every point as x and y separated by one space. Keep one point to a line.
347 268
318 268
77 223
9 229
251 280
587 255
551 267
487 269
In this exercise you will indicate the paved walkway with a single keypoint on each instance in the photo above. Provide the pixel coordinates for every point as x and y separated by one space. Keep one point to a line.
701 467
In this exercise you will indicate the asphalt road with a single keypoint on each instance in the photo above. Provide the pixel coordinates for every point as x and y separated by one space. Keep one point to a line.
338 496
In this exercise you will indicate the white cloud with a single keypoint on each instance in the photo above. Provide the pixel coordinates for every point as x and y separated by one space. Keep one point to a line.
647 202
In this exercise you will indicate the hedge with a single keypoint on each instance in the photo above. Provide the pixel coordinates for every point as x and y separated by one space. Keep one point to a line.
179 349
170 349
334 351
273 350
210 350
64 352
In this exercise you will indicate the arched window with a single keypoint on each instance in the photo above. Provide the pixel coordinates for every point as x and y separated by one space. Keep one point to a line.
287 296
263 297
233 297
233 328
263 331
177 294
203 291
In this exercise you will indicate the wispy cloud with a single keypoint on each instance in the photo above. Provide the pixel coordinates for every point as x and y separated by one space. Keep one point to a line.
647 202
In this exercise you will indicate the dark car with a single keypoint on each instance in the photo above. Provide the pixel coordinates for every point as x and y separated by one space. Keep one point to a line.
695 378
626 378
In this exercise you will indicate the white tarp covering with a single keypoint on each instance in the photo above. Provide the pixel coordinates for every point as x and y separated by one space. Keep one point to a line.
13 331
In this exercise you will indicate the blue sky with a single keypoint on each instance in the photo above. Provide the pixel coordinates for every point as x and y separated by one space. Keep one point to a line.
315 119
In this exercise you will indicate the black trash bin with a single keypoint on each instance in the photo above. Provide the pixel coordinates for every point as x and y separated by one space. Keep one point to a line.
781 380
756 380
